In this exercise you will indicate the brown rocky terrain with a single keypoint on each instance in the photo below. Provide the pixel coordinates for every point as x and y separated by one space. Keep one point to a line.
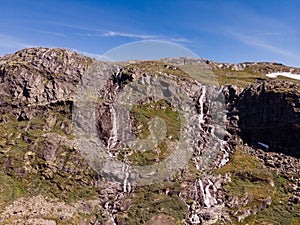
243 167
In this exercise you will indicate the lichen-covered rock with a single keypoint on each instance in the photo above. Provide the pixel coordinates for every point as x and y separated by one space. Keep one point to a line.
41 75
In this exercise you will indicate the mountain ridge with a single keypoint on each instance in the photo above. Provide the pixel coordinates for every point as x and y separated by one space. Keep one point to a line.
45 179
220 64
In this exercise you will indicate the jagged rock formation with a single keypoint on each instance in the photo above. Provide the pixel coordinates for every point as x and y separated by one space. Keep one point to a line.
268 113
44 178
41 75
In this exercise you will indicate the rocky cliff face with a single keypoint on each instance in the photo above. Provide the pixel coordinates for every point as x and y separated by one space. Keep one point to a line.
41 75
268 113
252 177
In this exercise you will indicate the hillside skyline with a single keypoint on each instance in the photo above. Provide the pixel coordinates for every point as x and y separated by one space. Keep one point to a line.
230 32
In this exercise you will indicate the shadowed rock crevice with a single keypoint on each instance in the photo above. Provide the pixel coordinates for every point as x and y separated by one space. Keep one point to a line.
268 117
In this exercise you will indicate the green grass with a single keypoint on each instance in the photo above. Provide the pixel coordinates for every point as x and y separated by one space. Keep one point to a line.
150 200
10 189
250 74
155 68
23 166
143 114
251 178
162 109
237 78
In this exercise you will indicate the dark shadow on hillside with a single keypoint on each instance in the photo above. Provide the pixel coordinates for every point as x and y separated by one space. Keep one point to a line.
269 120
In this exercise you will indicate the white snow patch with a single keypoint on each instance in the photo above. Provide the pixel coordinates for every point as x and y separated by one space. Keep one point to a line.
264 145
285 74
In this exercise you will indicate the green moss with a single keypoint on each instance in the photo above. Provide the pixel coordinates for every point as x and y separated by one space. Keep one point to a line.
237 78
20 172
283 78
250 178
150 200
162 109
289 99
250 74
10 189
281 211
156 68
143 114
278 214
246 166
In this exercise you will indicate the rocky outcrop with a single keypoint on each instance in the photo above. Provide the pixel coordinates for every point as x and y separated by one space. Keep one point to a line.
38 208
204 198
267 114
41 75
255 67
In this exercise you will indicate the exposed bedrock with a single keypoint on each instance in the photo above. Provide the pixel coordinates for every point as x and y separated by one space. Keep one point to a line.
268 115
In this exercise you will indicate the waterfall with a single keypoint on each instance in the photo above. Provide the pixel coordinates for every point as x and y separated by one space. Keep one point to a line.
126 184
114 132
110 215
208 199
217 149
201 98
225 158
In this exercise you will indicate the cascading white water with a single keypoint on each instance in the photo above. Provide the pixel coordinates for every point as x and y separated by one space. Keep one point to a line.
114 131
217 144
126 184
208 199
110 214
201 103
225 158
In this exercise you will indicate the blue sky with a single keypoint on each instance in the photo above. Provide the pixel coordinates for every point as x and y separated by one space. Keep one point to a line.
225 31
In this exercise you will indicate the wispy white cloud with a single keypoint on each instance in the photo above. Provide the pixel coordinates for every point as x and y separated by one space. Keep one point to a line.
94 32
271 33
266 29
116 34
7 41
129 35
59 34
256 42
73 26
179 40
